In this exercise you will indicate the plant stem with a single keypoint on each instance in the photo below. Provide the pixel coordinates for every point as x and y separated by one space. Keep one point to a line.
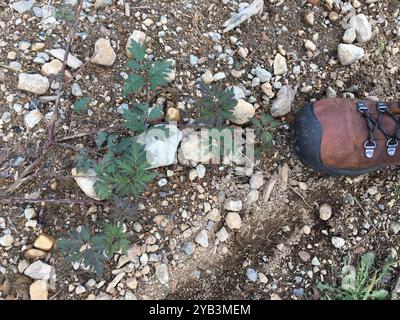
50 136
63 201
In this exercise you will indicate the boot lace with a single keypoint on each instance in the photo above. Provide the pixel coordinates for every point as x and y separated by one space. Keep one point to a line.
392 141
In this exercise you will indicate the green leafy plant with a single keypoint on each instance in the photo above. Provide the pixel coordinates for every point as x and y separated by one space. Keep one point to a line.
94 250
66 13
216 105
123 171
363 283
148 75
122 166
80 106
262 129
137 119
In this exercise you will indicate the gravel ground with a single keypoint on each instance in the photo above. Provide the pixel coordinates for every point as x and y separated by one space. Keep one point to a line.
272 233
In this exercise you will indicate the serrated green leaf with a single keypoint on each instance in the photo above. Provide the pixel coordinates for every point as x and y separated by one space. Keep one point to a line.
134 84
133 64
80 106
137 50
83 162
379 294
101 139
158 74
155 113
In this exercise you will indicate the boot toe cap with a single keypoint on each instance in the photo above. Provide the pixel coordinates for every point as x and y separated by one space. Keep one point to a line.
306 138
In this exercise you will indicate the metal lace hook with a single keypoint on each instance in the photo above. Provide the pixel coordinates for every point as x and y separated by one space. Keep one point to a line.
369 148
382 106
391 146
361 107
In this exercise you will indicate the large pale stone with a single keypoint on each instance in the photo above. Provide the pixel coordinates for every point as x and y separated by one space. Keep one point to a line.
362 27
53 67
194 148
105 55
243 112
32 118
38 290
233 220
283 103
38 271
349 53
161 145
280 66
44 242
86 182
72 61
35 254
34 83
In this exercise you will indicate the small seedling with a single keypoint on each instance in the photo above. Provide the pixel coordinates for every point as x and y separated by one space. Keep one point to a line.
80 107
363 283
94 250
262 128
216 105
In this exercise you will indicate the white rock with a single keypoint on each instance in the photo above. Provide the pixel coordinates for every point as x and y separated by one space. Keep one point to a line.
115 281
54 67
105 55
86 182
72 61
219 76
233 205
233 220
160 146
102 3
251 274
38 290
263 74
222 235
243 52
29 213
310 45
207 77
325 212
349 53
283 103
76 90
202 238
362 27
280 66
256 181
243 112
32 118
194 147
349 35
6 240
23 6
80 289
34 83
214 215
267 90
137 36
245 13
38 271
201 171
338 242
162 273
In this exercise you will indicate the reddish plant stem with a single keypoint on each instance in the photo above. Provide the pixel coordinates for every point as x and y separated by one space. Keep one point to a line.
63 201
50 137
53 120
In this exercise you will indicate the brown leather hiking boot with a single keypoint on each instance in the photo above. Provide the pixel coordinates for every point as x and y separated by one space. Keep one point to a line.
347 136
